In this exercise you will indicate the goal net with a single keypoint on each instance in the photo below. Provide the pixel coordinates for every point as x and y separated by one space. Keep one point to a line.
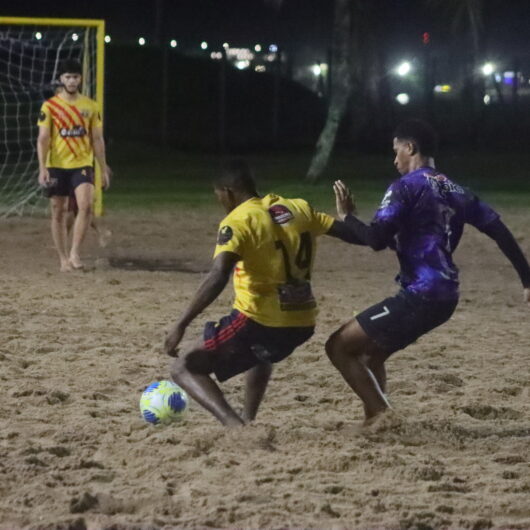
30 53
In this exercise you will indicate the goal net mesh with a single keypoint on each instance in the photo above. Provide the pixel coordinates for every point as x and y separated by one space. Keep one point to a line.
29 59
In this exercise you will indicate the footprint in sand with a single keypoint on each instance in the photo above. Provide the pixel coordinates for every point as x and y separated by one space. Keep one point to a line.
487 412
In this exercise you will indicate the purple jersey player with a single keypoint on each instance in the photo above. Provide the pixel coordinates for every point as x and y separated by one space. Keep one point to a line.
421 217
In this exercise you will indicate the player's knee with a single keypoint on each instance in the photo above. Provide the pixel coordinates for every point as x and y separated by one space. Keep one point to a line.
177 368
195 362
332 347
59 212
85 208
338 347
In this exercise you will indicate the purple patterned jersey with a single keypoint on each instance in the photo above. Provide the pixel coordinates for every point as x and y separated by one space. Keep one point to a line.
425 212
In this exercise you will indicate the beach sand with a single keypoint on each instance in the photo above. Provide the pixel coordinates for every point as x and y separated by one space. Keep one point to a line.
77 349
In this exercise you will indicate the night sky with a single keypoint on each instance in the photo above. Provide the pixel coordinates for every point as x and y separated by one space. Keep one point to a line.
299 26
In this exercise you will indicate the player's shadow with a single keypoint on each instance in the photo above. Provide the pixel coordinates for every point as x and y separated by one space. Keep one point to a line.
155 264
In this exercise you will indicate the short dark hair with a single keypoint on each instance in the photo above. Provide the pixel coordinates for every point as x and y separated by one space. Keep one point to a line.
420 133
70 66
236 175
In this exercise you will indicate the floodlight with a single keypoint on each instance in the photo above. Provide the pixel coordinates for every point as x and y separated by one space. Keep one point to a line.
403 98
403 69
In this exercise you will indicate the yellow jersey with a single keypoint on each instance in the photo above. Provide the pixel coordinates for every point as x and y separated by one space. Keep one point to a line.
70 126
275 239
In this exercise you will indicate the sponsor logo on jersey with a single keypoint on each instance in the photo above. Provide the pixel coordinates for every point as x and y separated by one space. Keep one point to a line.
225 235
280 214
42 116
443 185
74 132
85 113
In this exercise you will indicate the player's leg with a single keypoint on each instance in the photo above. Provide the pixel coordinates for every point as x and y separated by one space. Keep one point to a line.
84 194
72 213
376 363
256 382
350 350
59 212
268 345
192 372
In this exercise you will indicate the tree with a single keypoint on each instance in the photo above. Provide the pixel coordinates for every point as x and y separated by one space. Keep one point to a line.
341 85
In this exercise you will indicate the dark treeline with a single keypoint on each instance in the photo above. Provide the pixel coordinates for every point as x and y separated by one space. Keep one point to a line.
197 103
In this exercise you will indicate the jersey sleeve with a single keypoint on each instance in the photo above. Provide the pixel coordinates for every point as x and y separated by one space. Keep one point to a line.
320 222
392 207
479 214
45 117
231 237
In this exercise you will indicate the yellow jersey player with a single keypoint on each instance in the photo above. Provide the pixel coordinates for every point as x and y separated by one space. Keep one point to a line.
70 136
268 243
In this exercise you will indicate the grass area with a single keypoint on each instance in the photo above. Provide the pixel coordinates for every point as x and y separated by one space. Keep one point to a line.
150 178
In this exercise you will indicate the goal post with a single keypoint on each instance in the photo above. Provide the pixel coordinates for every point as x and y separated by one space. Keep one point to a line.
30 52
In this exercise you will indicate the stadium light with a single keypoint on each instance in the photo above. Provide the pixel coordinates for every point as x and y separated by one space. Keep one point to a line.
487 99
204 45
403 69
38 35
241 65
403 98
316 69
75 36
273 48
141 41
173 43
226 45
257 48
107 38
488 68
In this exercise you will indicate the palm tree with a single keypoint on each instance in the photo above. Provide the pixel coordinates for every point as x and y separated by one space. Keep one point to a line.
341 86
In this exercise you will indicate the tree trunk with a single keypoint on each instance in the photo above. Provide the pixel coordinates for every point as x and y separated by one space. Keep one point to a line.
340 89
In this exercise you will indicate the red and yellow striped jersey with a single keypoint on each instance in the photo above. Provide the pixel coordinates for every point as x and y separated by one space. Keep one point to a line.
70 126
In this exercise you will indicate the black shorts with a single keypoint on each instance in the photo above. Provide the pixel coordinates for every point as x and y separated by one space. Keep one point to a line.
400 320
240 343
63 182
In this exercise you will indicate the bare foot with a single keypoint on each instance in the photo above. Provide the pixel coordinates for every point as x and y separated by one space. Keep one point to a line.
75 262
65 266
386 420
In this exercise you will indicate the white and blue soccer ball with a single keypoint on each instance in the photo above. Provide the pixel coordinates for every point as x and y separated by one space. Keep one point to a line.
163 402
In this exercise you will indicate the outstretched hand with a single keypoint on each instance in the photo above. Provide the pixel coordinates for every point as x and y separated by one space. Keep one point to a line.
173 338
344 200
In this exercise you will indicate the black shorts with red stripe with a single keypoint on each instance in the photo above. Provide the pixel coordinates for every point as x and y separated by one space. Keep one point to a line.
241 343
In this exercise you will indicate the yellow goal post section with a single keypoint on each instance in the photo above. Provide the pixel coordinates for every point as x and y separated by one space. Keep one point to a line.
99 27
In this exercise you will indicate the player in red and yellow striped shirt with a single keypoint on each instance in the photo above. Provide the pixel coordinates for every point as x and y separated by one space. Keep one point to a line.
70 136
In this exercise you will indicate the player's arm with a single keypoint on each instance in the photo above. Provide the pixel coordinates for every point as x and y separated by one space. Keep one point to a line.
43 148
342 231
500 233
209 290
98 144
375 235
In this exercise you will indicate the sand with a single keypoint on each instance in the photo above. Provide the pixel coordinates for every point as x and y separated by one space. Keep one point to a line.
77 349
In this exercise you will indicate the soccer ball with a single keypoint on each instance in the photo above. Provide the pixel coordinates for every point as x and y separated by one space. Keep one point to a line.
163 402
